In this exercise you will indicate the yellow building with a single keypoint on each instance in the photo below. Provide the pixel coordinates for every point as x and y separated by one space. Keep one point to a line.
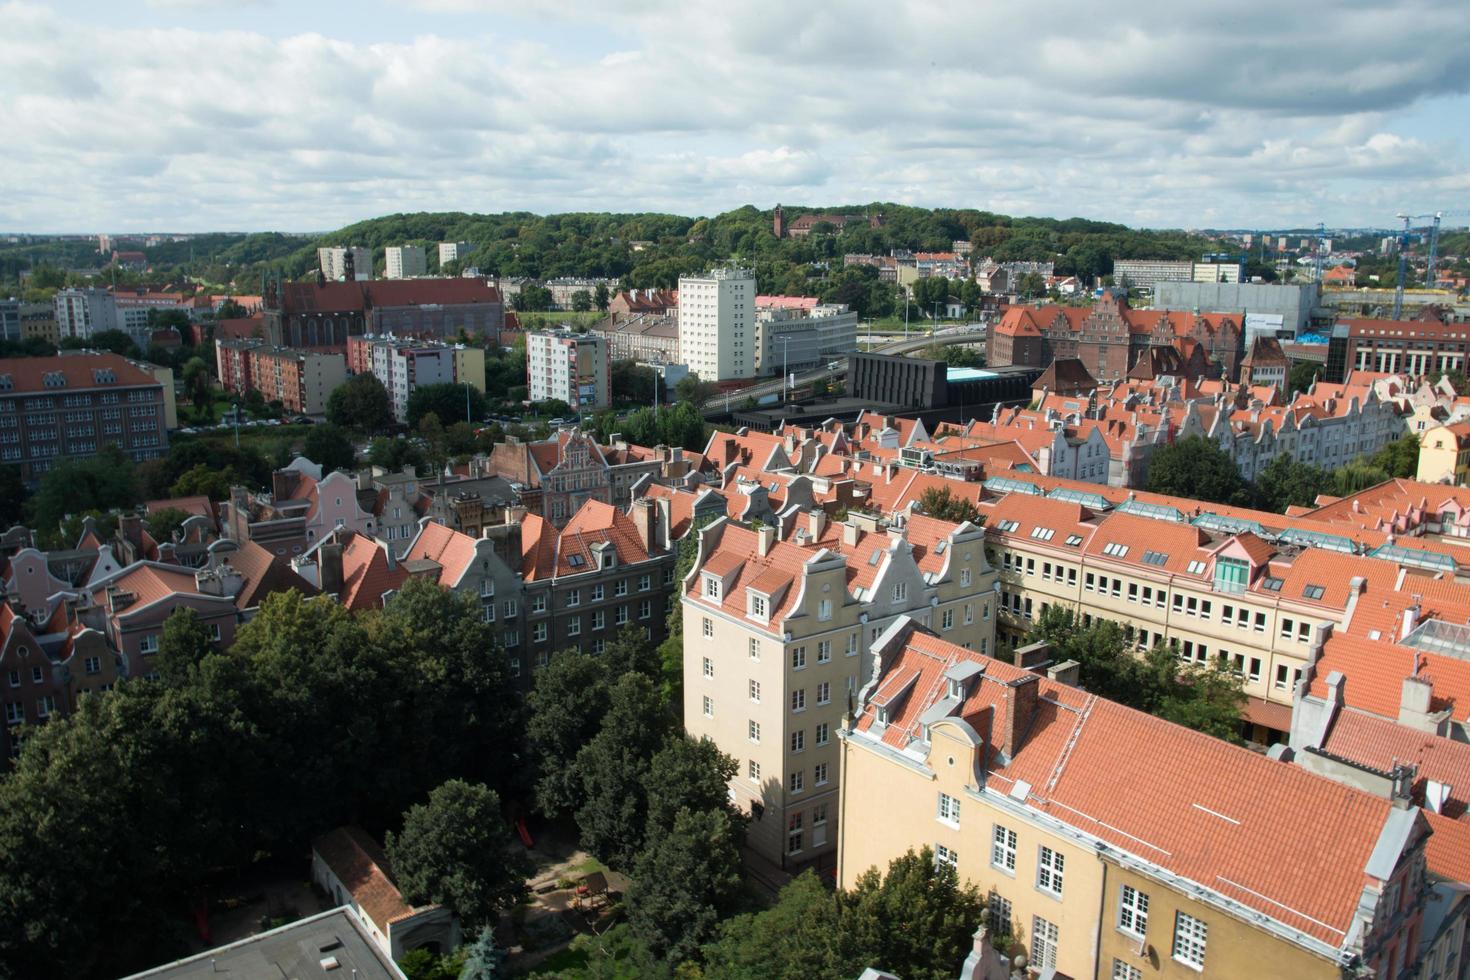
775 622
1444 454
1113 844
1212 585
469 367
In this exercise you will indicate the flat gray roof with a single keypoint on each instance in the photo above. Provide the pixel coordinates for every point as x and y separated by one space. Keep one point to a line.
296 951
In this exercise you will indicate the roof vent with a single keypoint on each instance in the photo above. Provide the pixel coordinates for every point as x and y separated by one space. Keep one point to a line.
330 963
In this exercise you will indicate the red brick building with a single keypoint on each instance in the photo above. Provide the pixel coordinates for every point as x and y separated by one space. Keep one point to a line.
1110 337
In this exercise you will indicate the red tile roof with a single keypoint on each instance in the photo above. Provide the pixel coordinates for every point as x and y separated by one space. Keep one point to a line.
367 573
28 374
360 864
452 550
1382 744
1196 806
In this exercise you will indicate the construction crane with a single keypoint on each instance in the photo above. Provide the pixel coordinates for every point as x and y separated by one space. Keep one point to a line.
1431 266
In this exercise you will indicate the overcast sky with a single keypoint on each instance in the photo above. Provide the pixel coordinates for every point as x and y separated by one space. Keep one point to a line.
299 115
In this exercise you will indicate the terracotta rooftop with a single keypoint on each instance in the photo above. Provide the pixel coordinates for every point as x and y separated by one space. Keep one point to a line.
360 864
69 372
1196 806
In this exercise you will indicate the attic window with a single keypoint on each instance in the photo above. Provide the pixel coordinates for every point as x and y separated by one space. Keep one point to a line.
882 715
1009 526
877 554
1272 584
939 548
1115 549
1313 591
956 689
1196 568
6 384
1042 533
54 379
1073 540
1155 558
574 560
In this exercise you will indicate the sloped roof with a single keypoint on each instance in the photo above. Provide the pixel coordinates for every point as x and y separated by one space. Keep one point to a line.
1196 806
362 867
452 550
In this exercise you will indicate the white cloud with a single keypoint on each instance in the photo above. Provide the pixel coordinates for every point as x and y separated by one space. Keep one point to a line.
1180 115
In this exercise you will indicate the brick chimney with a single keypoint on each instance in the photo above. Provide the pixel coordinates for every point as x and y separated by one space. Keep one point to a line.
1020 708
130 527
329 567
281 481
646 519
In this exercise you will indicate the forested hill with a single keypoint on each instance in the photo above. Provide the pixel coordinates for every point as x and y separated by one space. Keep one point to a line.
523 244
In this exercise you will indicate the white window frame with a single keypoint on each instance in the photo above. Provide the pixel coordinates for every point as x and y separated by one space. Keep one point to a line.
1132 912
1191 938
948 811
1003 849
1050 871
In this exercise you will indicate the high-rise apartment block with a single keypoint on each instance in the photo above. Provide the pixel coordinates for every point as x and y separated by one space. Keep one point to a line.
777 624
454 252
717 324
346 263
404 262
84 312
301 380
73 405
570 367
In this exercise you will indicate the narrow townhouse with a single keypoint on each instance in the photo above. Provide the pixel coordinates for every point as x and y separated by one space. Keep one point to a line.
775 622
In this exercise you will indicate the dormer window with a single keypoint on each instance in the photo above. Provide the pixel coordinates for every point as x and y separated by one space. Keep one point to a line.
956 689
758 606
711 587
882 716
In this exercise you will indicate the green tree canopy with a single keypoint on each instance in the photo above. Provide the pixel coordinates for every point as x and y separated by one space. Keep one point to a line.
330 447
360 404
939 502
183 646
686 881
614 769
686 774
1286 482
448 401
1198 469
566 706
100 483
455 850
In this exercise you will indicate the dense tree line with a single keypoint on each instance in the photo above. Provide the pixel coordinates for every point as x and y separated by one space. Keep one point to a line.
1199 469
602 245
120 817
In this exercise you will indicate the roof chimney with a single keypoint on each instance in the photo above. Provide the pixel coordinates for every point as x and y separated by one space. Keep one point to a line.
329 565
1411 619
1020 705
816 522
645 516
765 536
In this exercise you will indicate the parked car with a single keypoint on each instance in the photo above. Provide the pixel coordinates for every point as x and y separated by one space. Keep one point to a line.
303 420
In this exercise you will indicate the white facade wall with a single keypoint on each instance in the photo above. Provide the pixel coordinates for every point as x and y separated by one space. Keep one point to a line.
454 252
334 262
402 368
569 367
404 262
84 312
717 324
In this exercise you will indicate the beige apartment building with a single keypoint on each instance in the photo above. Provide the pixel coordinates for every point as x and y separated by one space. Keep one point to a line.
1101 860
1211 587
776 624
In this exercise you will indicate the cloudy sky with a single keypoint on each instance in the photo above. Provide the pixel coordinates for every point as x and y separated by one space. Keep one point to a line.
299 115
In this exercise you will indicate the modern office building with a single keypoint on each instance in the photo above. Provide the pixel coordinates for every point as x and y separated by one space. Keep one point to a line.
1295 302
796 333
52 408
345 263
404 262
1426 345
717 324
570 367
1148 273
